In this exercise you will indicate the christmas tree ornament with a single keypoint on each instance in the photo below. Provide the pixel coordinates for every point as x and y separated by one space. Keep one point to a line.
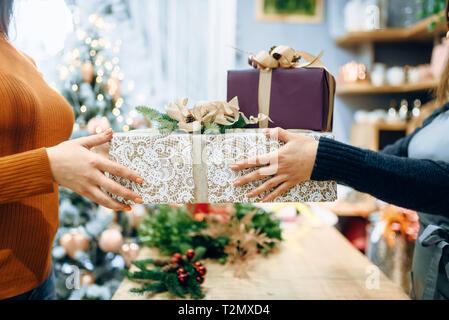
130 252
98 125
73 242
87 72
58 253
113 88
87 278
110 240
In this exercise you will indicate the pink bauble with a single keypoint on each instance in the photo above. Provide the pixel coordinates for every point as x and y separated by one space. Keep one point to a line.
110 240
113 87
87 72
73 242
98 125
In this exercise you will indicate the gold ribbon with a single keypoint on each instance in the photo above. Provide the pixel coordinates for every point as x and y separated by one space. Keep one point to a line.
264 94
207 112
199 169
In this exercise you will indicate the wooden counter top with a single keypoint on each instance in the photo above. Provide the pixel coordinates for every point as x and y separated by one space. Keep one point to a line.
314 262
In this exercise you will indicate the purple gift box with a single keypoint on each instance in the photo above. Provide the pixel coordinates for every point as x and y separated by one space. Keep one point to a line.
299 98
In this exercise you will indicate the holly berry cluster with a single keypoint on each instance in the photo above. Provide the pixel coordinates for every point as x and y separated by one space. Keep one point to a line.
179 275
183 275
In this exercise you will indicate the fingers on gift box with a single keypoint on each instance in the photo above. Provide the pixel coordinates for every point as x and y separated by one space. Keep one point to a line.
186 168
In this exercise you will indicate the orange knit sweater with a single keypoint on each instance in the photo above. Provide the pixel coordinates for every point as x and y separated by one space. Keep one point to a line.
33 117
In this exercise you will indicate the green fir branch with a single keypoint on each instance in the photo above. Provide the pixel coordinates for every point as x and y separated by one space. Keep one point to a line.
174 286
150 113
142 264
194 288
173 230
166 124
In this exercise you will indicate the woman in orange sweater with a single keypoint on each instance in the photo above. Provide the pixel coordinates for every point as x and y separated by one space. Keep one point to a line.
35 157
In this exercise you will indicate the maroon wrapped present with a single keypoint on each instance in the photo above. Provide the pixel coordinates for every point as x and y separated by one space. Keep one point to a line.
294 98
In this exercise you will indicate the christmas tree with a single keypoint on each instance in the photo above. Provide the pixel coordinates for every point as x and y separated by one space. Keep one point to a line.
90 248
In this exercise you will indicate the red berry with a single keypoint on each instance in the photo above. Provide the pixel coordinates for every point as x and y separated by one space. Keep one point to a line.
183 277
190 254
180 271
200 279
197 264
177 256
202 271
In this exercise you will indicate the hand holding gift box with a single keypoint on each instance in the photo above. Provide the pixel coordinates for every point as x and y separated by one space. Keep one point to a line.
195 168
290 165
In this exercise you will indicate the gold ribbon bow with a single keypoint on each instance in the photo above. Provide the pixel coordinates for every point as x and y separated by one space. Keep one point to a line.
207 112
285 57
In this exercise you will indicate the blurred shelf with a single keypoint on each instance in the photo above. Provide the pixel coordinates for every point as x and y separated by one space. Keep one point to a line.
368 88
417 32
376 135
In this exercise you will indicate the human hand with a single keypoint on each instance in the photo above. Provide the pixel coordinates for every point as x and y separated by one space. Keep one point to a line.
102 150
76 167
290 165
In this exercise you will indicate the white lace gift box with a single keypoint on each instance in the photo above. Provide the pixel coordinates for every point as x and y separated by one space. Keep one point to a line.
185 168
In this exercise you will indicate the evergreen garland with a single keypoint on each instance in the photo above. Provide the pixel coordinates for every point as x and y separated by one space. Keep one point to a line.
171 229
181 276
174 230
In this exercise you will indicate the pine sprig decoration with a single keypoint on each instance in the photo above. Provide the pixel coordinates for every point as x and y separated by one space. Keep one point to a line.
150 113
181 276
173 230
167 124
170 230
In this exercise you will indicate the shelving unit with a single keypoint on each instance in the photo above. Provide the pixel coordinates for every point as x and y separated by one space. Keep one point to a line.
372 135
368 88
417 32
375 136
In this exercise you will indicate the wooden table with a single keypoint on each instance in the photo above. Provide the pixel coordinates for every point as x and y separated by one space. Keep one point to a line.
314 262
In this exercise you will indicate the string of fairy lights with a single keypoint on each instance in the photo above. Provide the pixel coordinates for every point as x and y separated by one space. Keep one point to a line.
106 70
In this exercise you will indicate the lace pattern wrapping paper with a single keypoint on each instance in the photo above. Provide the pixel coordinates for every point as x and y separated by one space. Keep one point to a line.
182 168
163 161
